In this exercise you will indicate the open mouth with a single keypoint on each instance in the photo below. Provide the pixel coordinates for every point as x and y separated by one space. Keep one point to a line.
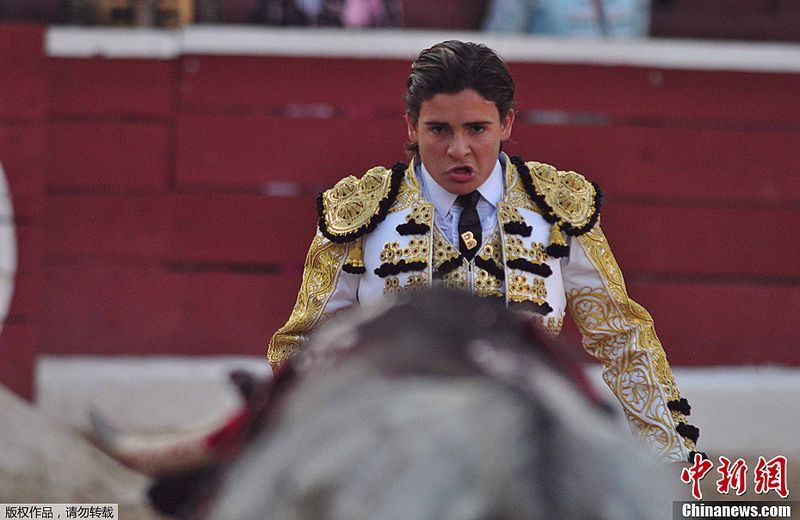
461 173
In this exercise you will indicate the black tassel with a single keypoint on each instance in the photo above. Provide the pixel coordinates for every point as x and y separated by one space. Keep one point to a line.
688 431
702 454
539 308
490 267
352 269
413 228
387 269
681 405
448 266
517 228
526 265
557 251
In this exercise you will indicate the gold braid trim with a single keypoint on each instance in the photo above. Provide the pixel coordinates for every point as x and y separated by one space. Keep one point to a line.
569 195
611 323
320 273
354 206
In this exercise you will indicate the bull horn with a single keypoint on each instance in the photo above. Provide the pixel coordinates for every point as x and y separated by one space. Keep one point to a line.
155 454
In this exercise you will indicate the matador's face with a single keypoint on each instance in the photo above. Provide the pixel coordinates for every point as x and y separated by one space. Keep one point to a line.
459 138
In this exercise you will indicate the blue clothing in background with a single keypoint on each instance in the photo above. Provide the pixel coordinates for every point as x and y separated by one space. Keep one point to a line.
574 18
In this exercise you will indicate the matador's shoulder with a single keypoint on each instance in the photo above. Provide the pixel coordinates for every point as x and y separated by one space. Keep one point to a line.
564 197
354 206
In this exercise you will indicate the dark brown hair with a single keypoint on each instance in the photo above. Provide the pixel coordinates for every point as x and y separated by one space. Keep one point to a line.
452 66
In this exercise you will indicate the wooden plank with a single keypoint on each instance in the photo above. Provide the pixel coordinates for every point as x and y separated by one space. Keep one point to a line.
624 91
19 349
236 82
670 162
144 309
84 87
122 227
704 242
22 83
112 156
230 313
104 308
723 324
234 150
186 229
259 231
642 92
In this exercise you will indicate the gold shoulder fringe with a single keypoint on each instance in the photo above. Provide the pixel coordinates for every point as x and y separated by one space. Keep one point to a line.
349 208
570 196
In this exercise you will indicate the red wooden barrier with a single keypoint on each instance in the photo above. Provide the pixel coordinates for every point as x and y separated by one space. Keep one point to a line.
250 150
165 205
214 83
22 109
121 157
113 228
86 88
118 309
669 163
22 91
259 231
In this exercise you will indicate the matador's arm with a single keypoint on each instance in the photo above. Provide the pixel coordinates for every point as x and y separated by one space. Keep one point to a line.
620 333
326 288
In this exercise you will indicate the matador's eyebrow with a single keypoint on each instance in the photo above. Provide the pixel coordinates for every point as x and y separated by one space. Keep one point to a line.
468 123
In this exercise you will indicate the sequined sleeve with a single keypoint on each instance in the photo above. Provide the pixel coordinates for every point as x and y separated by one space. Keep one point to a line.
620 334
324 289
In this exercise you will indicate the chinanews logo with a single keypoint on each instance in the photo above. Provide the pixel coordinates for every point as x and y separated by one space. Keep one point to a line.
769 476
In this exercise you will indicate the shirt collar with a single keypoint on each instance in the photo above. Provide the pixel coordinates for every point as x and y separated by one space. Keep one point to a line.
443 200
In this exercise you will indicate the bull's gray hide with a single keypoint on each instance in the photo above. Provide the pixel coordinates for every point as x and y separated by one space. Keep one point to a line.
439 408
44 462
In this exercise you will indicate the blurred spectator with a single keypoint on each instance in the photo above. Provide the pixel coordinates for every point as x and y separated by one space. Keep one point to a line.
339 13
140 13
574 18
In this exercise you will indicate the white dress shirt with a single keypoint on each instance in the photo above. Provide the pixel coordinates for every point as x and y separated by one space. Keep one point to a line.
447 212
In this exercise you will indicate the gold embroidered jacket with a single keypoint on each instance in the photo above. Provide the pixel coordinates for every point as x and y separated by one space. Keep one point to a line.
376 236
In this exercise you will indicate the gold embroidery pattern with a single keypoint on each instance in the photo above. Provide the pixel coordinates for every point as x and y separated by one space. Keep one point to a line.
320 272
409 194
355 255
421 214
443 250
416 251
508 213
569 194
457 279
520 290
554 324
493 250
484 283
515 248
598 250
415 282
620 333
516 196
352 202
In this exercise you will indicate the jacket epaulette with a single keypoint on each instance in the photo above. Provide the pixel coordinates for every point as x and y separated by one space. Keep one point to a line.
565 198
355 206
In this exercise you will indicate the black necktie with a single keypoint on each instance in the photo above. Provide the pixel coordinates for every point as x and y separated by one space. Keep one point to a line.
469 225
